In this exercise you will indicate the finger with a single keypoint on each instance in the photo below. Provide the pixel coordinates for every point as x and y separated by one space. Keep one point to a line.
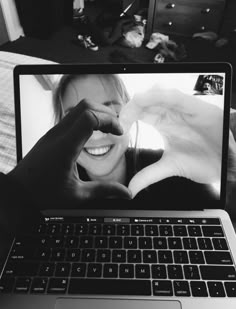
152 174
129 114
97 190
71 118
83 128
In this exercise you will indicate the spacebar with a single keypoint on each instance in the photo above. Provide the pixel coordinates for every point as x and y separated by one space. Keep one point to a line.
109 286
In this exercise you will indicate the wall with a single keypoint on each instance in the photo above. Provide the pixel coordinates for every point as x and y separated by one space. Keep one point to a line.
10 16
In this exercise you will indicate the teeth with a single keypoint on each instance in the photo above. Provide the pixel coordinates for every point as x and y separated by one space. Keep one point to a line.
100 151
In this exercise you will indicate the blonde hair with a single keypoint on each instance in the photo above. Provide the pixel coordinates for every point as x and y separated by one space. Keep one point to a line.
67 79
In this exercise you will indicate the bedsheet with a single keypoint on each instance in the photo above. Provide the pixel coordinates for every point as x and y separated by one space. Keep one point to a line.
7 117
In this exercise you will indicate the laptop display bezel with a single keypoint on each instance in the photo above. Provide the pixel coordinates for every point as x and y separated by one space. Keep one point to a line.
134 68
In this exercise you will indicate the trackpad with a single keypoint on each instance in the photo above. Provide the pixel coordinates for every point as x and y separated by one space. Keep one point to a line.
98 303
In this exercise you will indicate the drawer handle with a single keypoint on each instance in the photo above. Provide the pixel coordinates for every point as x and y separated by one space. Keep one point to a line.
170 5
169 24
206 11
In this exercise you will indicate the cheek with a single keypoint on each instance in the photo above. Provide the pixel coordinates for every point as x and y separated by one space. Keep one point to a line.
122 141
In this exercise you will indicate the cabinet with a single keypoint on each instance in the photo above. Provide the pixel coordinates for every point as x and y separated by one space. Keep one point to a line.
185 17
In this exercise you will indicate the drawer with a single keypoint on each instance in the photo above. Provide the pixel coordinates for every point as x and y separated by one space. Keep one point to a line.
179 18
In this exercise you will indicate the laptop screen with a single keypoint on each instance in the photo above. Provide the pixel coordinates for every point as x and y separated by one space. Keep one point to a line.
172 152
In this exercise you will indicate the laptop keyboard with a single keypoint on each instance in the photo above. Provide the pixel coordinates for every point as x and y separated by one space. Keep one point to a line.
122 256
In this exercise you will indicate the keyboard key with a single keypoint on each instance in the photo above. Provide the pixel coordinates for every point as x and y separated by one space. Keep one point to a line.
47 269
68 229
56 242
149 256
216 289
115 242
22 285
159 272
94 270
62 270
58 254
194 230
72 242
174 272
142 271
26 269
151 230
174 243
196 257
95 229
22 253
86 242
218 257
166 230
218 272
190 243
165 256
130 243
126 271
162 288
78 270
88 255
180 230
220 244
110 270
198 288
54 229
134 256
41 229
212 231
57 285
6 284
42 254
137 230
39 285
123 229
81 229
118 256
145 243
103 255
191 272
181 288
205 244
109 229
230 288
110 286
73 255
101 242
159 243
180 257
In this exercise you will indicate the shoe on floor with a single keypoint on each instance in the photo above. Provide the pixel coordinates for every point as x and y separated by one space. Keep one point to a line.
86 41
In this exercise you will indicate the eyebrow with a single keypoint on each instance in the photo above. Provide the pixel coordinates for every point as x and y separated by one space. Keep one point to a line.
113 102
107 103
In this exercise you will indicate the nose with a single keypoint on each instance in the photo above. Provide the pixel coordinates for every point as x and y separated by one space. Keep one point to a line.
97 135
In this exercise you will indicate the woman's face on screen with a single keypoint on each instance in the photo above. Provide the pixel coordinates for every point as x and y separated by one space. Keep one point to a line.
103 155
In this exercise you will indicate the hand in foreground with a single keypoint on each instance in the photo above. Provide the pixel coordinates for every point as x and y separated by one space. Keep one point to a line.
192 134
48 171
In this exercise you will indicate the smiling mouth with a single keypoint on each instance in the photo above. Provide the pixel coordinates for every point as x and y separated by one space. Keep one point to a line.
98 151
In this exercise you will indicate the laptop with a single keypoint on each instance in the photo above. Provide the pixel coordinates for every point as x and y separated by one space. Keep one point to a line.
173 245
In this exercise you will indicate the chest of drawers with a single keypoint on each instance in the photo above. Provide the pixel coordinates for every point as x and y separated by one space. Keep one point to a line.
185 17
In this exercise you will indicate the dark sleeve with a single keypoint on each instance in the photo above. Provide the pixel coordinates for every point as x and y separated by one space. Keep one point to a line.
16 207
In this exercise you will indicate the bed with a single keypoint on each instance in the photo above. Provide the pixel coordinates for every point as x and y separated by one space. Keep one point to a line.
7 118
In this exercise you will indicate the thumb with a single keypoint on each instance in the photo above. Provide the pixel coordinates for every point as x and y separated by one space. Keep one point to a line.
155 172
98 189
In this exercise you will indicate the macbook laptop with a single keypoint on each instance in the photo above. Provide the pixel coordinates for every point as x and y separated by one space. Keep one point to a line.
173 245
